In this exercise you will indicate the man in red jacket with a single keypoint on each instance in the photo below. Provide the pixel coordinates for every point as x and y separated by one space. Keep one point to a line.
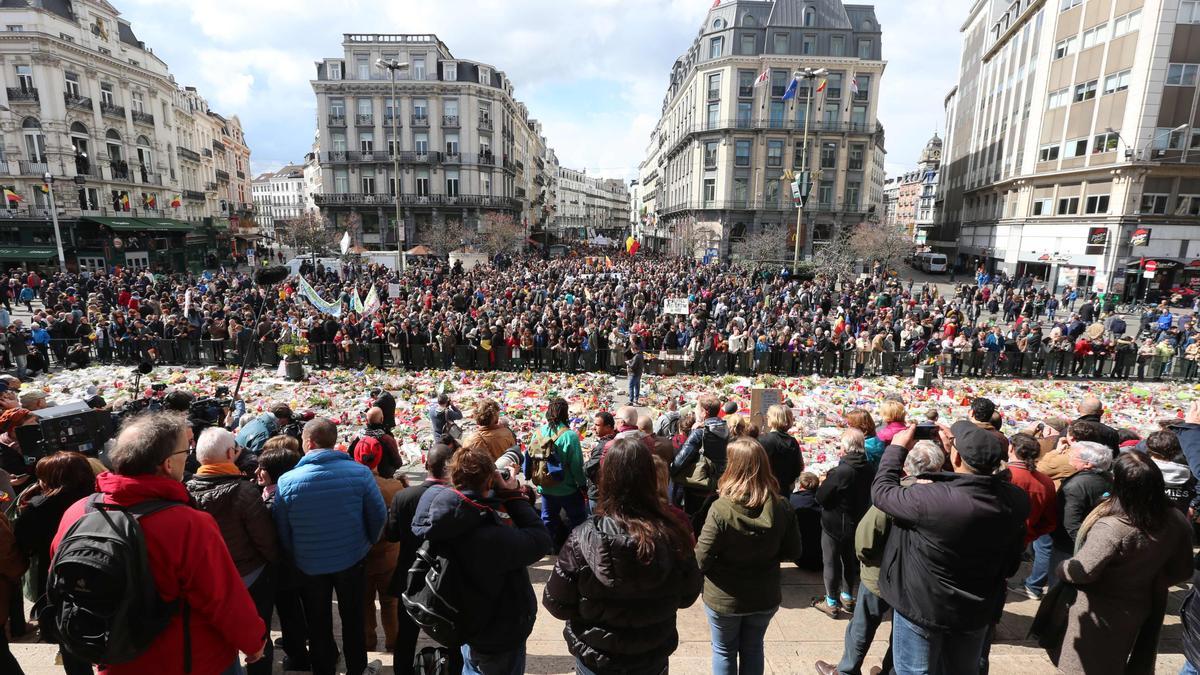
187 555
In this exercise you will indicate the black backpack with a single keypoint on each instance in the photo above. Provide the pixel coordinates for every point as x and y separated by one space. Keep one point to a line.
431 661
101 603
443 600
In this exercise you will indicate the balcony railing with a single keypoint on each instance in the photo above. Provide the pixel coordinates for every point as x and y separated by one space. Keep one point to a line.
22 94
150 178
119 170
210 186
193 195
185 153
364 120
449 121
485 124
762 205
420 121
239 174
77 102
33 168
218 145
110 110
337 120
206 152
378 199
452 158
143 118
222 175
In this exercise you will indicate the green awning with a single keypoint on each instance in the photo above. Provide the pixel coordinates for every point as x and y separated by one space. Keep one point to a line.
166 225
117 224
31 253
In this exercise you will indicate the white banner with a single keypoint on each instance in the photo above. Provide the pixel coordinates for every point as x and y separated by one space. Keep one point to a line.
675 306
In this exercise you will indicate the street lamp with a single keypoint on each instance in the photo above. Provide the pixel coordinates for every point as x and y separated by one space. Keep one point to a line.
392 65
809 74
62 260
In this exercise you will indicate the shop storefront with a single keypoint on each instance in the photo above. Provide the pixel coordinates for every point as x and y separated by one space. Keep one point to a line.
1157 284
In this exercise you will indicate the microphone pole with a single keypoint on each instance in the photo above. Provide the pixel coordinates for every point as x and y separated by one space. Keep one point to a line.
267 278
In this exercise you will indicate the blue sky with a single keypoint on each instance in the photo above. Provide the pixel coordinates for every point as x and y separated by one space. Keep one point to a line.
593 71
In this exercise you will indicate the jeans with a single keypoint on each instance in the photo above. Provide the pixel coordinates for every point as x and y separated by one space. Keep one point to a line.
840 565
576 507
1188 669
738 636
1045 558
501 663
317 594
920 651
635 387
868 614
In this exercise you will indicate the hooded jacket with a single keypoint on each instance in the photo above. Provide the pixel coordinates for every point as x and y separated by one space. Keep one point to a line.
714 450
784 454
328 512
257 431
188 559
243 518
739 550
494 539
953 544
845 495
620 612
1180 483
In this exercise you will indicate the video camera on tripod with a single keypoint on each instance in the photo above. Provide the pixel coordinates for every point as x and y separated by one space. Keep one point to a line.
210 410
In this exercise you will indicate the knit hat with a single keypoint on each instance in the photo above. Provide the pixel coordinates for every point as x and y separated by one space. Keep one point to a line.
11 419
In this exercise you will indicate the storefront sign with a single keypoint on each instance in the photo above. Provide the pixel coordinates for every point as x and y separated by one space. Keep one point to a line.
1097 240
1141 237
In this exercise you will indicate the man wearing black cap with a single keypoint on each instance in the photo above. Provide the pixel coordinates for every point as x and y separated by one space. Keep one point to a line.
957 539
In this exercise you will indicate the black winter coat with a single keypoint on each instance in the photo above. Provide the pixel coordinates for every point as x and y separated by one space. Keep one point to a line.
786 461
620 612
845 495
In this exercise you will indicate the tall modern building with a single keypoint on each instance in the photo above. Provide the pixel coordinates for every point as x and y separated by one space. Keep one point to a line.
144 173
466 147
1073 153
715 166
588 206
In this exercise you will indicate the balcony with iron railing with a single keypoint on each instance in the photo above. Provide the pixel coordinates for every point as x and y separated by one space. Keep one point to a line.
22 94
142 118
240 174
77 102
112 110
218 145
449 121
336 120
149 177
222 175
193 195
34 168
210 186
420 121
118 169
379 199
206 152
364 120
485 124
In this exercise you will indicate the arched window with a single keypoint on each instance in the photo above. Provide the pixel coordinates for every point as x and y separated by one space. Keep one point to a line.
718 23
867 25
112 135
145 159
738 232
810 16
116 155
748 21
79 141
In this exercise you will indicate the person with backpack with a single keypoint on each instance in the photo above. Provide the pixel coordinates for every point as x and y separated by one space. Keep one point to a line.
442 417
329 513
556 468
184 610
219 489
482 530
491 435
624 574
253 434
782 449
380 442
701 460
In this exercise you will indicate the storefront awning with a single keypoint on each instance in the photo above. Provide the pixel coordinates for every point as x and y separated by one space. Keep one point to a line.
142 224
166 225
116 224
29 253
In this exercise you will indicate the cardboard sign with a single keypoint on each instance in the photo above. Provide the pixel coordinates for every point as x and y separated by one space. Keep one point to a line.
760 401
675 306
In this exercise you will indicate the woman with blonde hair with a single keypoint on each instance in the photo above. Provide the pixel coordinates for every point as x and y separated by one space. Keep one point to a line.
491 436
783 452
891 412
748 531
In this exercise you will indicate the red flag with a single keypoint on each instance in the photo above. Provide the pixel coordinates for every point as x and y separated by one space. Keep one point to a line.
716 3
633 248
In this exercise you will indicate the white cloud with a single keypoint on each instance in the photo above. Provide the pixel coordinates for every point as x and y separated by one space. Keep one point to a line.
254 59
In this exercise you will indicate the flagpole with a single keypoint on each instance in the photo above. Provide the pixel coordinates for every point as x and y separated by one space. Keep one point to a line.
62 259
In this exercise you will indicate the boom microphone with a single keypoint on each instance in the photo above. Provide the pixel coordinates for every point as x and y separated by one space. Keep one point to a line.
269 276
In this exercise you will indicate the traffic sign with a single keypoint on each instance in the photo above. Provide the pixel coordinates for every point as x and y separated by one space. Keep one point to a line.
1151 265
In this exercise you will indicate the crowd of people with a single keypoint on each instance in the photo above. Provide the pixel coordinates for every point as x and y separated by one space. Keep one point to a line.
588 313
258 517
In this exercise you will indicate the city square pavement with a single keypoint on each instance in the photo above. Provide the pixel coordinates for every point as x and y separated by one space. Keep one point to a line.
798 636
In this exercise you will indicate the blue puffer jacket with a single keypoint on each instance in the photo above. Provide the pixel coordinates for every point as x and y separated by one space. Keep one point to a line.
255 434
494 550
328 511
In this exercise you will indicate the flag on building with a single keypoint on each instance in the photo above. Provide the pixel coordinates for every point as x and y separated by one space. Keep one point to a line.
764 78
716 4
125 200
45 188
854 85
176 202
10 196
821 87
791 90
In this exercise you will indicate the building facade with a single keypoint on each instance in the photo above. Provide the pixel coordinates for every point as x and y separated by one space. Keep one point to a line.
1073 152
466 147
90 104
719 157
910 197
589 207
280 196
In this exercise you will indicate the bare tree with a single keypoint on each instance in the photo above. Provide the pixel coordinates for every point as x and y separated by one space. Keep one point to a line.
882 243
771 244
500 233
310 233
836 258
443 239
690 238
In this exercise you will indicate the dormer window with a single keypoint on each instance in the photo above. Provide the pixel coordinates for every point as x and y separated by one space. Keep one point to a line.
449 71
718 23
810 16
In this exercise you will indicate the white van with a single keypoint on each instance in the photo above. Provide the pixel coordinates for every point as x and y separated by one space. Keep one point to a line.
933 263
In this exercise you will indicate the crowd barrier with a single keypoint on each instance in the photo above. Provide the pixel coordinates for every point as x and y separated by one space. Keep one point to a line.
1059 365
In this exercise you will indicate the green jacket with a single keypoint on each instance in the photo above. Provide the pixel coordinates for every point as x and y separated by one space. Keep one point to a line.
869 541
739 551
572 459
